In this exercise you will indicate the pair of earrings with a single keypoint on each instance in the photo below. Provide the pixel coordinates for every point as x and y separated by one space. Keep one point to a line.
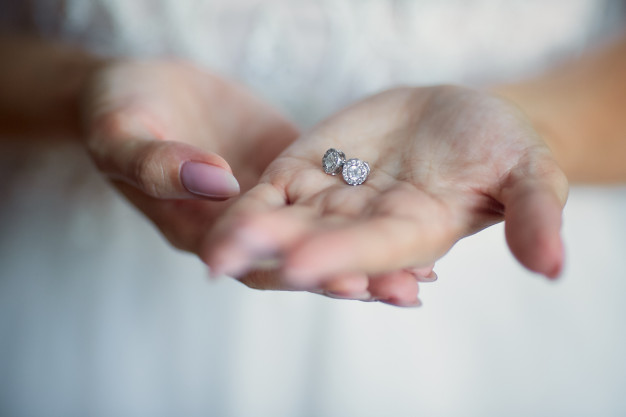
354 171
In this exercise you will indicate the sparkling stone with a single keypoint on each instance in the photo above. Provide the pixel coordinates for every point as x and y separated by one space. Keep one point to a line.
333 160
355 171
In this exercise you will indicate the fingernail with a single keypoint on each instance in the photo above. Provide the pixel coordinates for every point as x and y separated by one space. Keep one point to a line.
432 277
361 296
213 275
208 180
233 266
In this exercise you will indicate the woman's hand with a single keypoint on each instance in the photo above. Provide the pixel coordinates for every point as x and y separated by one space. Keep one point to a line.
178 141
446 162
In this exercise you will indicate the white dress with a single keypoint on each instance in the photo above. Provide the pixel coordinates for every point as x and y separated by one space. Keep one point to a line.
100 317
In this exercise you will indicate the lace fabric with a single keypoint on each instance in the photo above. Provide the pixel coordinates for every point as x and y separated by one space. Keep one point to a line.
345 48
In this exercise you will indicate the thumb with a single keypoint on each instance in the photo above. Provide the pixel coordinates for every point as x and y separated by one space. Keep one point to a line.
164 169
534 196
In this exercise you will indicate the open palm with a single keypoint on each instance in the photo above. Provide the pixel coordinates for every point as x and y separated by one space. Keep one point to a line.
445 162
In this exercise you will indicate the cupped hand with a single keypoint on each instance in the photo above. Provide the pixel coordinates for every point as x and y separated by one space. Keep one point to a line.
179 141
446 162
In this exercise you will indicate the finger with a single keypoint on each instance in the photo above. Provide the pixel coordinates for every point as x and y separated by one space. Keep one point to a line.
432 277
373 246
534 201
352 286
161 169
402 227
347 286
232 248
259 239
423 274
397 288
266 232
184 223
264 279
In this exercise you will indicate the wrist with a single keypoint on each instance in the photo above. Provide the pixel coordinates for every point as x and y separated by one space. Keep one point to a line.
546 119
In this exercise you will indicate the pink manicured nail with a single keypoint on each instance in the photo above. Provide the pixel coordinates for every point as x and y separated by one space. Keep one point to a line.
432 277
208 180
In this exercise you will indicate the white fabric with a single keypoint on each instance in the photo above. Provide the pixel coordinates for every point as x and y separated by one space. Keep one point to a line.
100 317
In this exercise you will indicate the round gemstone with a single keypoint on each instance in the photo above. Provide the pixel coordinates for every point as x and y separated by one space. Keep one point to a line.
332 162
355 171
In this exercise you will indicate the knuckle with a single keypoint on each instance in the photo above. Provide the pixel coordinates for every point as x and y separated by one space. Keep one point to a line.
148 172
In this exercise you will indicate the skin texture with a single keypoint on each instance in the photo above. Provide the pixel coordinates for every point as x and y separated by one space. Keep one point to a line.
145 119
139 134
140 122
446 162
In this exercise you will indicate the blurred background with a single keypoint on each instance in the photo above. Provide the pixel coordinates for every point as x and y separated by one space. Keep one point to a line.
100 317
